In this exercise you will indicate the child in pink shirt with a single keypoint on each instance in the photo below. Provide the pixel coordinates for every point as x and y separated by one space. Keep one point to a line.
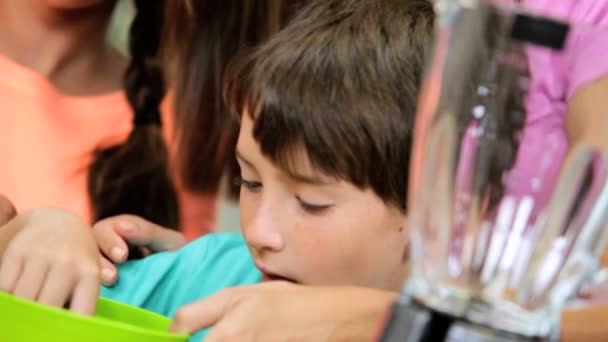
554 79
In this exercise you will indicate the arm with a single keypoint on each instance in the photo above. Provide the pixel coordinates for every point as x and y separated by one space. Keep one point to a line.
280 311
587 117
586 123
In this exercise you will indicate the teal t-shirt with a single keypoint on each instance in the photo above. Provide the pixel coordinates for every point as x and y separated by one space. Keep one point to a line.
164 282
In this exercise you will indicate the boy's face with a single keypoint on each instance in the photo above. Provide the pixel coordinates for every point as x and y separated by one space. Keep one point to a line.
313 229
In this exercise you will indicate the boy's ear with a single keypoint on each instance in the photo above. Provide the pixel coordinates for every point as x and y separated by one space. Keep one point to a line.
7 210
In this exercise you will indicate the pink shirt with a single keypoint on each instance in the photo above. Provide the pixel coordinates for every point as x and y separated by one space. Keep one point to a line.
555 77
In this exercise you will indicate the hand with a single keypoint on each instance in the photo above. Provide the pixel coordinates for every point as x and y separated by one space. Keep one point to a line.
7 210
280 311
50 257
113 234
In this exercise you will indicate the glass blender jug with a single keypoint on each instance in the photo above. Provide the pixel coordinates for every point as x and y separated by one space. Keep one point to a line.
488 263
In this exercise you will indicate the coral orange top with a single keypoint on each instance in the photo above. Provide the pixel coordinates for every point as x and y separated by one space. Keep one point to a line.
48 140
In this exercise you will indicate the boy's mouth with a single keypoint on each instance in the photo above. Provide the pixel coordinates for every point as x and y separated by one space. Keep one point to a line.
273 277
269 276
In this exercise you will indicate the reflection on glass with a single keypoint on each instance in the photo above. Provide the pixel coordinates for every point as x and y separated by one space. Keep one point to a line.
501 251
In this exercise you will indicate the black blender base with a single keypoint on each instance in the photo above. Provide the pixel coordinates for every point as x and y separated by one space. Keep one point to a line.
410 322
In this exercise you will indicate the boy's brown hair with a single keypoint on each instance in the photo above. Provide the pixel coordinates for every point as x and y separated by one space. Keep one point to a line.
342 81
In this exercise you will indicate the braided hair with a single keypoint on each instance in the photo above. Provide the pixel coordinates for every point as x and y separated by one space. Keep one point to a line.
133 178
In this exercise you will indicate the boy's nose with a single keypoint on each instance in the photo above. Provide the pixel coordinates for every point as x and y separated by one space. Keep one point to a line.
264 231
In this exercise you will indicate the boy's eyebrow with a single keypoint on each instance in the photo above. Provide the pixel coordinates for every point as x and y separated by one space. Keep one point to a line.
300 178
310 180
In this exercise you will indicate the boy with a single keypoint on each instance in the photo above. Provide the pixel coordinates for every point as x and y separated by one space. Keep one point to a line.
326 111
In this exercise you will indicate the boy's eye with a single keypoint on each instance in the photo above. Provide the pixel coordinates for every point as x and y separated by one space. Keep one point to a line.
311 208
252 186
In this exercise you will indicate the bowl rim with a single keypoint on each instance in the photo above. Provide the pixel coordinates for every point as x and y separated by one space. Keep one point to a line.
101 322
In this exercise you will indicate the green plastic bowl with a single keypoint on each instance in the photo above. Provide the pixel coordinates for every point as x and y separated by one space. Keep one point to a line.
22 320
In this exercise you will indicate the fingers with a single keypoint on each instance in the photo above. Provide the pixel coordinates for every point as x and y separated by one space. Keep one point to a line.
165 239
31 280
85 295
137 231
51 257
114 233
109 241
225 331
10 271
58 287
133 229
55 285
109 273
204 313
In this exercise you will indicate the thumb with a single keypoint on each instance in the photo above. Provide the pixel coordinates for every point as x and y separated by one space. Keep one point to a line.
135 231
204 313
143 233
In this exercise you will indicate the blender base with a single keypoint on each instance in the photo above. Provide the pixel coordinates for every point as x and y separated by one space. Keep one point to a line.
411 322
